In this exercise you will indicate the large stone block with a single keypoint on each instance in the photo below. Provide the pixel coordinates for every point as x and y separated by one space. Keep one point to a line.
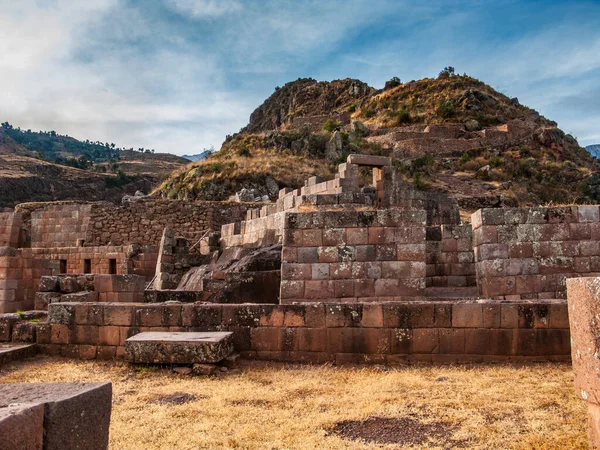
75 415
369 160
179 347
22 427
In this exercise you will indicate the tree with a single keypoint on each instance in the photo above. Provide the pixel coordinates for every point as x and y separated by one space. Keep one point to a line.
447 72
392 83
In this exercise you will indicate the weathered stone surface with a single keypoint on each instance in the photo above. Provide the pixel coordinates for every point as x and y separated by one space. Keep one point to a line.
22 427
43 299
14 352
369 160
76 415
179 347
49 284
583 296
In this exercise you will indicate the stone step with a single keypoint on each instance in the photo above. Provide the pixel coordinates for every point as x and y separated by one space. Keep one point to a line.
10 352
151 347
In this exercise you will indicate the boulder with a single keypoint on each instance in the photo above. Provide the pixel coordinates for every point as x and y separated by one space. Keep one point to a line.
360 128
484 172
334 146
472 125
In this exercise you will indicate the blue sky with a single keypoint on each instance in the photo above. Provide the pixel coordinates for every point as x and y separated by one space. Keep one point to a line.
178 75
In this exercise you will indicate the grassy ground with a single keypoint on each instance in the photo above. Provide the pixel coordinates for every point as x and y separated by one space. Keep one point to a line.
294 407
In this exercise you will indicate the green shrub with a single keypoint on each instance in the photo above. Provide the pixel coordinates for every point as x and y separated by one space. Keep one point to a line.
392 83
495 162
419 182
445 110
213 167
403 117
244 152
351 108
370 113
331 125
423 161
464 158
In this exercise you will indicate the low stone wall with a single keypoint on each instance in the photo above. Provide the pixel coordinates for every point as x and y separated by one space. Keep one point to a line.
21 269
446 332
525 253
89 288
450 257
353 256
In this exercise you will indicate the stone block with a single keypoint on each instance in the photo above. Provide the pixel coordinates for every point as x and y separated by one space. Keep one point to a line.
75 415
179 347
22 426
369 160
49 284
467 315
68 285
589 213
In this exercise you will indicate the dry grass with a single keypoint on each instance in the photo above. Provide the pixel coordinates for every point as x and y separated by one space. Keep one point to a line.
292 407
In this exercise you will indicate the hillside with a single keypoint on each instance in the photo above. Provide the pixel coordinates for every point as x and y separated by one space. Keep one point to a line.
452 133
24 176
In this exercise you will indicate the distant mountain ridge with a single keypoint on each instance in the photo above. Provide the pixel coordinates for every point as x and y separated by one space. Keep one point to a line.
198 156
45 166
594 150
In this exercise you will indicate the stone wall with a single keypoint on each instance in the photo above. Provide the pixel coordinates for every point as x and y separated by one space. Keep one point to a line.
353 256
450 256
525 253
444 332
258 232
62 224
10 228
143 222
89 288
21 269
59 225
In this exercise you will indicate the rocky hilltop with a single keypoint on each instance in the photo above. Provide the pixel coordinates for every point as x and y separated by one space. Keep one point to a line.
452 133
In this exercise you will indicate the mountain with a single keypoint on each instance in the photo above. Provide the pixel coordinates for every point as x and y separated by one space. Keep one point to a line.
25 176
594 150
198 156
452 133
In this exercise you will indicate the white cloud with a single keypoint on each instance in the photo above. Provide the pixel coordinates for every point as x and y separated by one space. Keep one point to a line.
124 72
205 8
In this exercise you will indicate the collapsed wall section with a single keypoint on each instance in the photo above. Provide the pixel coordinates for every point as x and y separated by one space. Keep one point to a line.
525 253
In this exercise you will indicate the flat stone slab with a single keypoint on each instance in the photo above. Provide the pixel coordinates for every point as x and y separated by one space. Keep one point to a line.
369 160
151 347
14 352
74 415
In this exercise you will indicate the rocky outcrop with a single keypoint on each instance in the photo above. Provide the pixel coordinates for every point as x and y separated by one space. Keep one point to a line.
306 97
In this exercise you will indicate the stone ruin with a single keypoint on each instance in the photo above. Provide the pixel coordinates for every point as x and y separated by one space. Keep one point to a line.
342 270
